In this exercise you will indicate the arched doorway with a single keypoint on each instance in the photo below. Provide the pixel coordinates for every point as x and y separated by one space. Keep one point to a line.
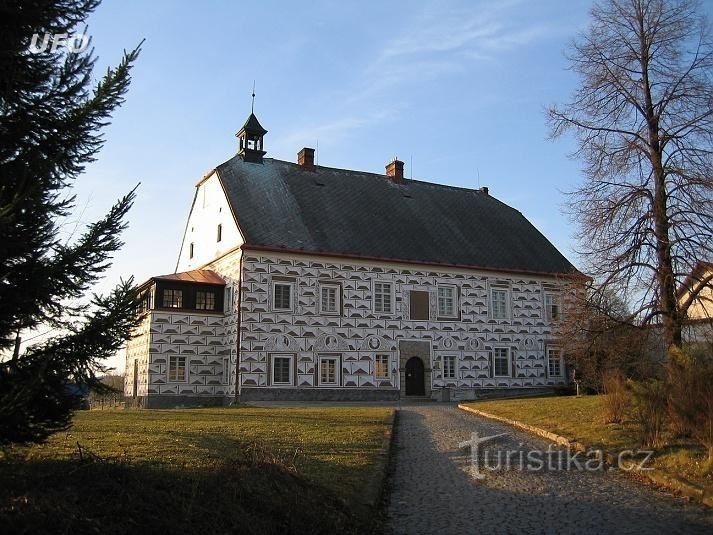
414 377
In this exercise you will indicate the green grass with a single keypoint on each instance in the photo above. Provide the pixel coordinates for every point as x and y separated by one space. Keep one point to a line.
579 419
202 469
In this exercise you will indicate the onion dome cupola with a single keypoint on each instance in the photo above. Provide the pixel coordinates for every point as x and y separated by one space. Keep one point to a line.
251 140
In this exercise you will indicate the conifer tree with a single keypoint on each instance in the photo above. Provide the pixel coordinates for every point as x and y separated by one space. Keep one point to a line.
51 117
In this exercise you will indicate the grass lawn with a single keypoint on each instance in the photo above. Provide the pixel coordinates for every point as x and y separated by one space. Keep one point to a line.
578 419
234 469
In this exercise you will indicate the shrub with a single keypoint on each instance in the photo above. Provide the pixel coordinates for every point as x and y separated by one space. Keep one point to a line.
650 404
616 397
690 397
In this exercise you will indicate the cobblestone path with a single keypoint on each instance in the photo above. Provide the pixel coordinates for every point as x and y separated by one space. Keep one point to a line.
432 489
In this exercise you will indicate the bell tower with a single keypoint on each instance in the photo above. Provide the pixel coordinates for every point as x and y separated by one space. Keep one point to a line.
251 140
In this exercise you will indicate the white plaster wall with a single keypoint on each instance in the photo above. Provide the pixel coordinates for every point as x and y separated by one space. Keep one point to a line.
198 337
359 334
137 349
210 208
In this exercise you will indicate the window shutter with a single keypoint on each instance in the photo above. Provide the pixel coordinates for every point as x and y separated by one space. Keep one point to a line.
419 305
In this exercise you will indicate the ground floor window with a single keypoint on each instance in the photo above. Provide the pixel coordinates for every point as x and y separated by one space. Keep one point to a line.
381 367
282 370
449 367
501 362
554 362
176 369
329 370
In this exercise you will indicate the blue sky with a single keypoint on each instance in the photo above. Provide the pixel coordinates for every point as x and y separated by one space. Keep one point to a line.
460 87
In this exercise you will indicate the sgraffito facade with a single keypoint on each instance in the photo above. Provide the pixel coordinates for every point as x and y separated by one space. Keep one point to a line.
302 282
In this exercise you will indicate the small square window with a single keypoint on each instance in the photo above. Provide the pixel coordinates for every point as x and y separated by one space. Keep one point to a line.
329 301
501 362
329 371
172 299
449 367
498 304
447 301
205 300
383 297
381 367
282 370
282 296
177 369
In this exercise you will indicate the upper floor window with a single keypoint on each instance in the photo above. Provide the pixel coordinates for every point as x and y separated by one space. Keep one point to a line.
172 299
552 307
205 300
501 362
381 367
447 301
498 303
383 297
228 299
219 235
329 300
190 250
419 305
281 295
449 367
554 362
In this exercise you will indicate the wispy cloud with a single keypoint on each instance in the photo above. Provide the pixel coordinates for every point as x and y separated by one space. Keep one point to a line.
436 42
457 35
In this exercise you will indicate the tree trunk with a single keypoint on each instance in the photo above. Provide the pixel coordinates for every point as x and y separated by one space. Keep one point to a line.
668 305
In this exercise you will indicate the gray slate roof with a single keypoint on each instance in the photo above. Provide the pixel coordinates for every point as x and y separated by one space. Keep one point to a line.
281 205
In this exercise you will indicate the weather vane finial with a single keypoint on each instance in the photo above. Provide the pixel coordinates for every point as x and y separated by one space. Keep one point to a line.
252 106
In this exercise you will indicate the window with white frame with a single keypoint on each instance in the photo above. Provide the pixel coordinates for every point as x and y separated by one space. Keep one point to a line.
282 370
329 298
177 369
281 295
501 362
383 297
449 367
228 299
552 307
226 370
381 367
447 302
554 362
329 370
498 303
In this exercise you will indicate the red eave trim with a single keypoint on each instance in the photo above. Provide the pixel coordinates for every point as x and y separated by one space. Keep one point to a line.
353 256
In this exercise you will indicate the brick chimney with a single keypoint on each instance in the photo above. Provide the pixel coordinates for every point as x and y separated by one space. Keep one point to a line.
305 158
485 190
395 170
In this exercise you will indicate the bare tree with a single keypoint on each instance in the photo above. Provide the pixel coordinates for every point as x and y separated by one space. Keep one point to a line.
643 119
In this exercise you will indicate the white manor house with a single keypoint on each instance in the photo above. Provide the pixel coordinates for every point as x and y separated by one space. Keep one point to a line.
302 282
